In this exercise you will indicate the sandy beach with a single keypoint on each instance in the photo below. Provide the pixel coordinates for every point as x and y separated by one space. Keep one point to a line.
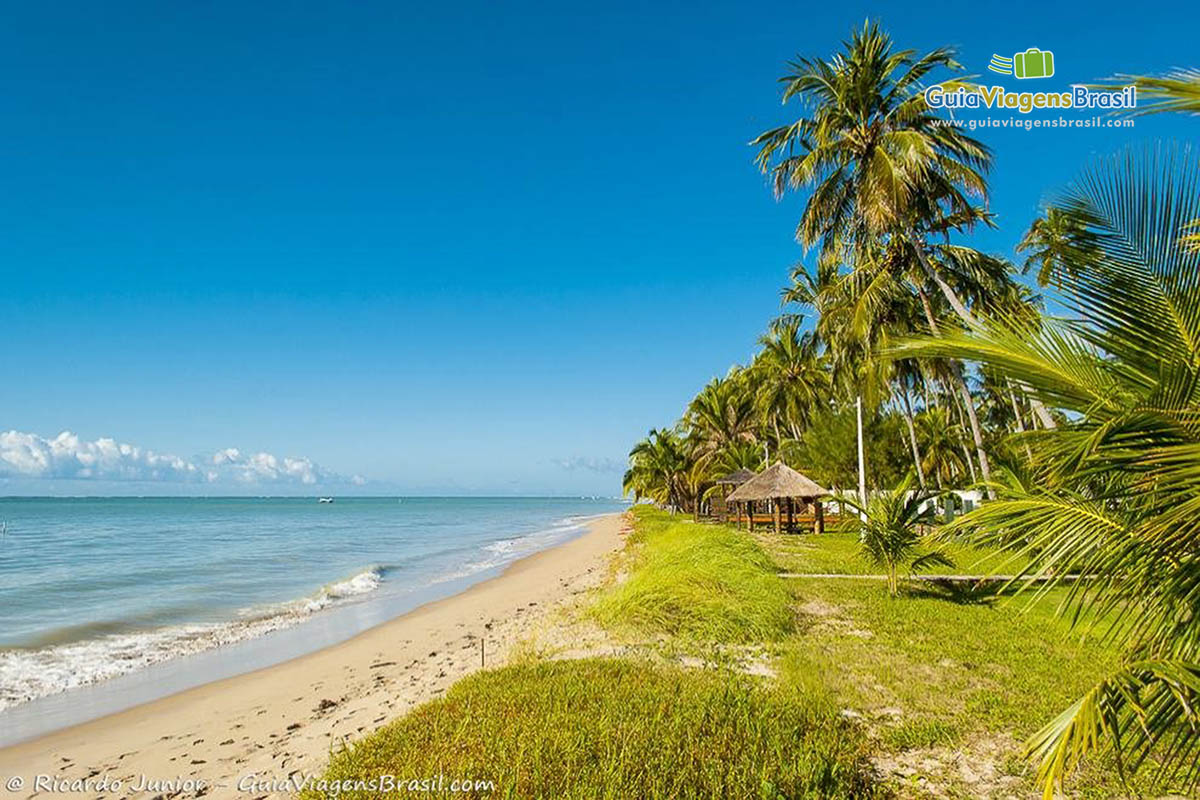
248 735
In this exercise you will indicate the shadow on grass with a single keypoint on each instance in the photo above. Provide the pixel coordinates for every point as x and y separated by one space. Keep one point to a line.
963 593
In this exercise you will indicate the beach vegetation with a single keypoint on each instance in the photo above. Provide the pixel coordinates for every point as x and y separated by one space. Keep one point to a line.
703 583
1079 432
1114 488
894 532
618 728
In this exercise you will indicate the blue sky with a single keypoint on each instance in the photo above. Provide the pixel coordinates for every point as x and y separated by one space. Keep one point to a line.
474 248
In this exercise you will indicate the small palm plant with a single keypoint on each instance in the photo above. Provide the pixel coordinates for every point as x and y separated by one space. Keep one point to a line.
894 529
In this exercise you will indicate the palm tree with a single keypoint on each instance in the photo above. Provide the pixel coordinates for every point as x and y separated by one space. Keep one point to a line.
1178 90
1113 490
851 320
942 445
880 163
789 376
722 414
893 530
739 455
860 312
1055 242
884 170
658 469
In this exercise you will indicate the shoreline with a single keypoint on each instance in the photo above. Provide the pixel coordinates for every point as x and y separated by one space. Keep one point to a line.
159 663
282 719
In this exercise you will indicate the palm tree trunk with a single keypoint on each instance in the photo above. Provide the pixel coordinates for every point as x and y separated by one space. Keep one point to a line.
970 463
976 433
912 438
1012 398
964 392
1039 409
959 308
957 401
862 469
947 290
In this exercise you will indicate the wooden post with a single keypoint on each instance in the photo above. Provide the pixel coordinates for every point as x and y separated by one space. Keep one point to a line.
819 518
775 513
750 516
791 526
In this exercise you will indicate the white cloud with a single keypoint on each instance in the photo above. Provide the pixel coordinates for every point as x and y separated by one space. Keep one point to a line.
66 456
589 463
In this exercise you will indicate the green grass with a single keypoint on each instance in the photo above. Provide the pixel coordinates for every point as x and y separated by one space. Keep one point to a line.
971 663
707 583
602 728
942 667
939 669
837 553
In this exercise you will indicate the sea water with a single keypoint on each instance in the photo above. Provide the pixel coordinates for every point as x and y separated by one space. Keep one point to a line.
96 588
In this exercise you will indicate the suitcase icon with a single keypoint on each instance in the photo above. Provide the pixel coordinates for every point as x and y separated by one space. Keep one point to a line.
1033 63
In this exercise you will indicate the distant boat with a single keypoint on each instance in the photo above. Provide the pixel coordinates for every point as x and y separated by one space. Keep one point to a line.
324 499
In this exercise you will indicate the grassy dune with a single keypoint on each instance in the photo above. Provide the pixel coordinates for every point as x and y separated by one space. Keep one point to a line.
707 583
600 728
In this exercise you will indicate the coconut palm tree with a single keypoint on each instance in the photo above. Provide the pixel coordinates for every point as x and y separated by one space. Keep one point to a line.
722 414
851 309
1114 491
1178 90
884 171
658 469
879 162
907 378
894 531
859 312
739 455
1055 242
942 445
789 378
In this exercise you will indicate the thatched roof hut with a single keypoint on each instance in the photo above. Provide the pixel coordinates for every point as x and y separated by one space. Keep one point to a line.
736 478
783 486
777 482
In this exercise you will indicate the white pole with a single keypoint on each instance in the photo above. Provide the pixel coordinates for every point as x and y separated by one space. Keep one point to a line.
862 469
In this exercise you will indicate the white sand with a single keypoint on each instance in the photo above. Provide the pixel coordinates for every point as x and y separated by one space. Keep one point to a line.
282 721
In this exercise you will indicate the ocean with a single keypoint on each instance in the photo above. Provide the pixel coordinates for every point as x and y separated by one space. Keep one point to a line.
96 588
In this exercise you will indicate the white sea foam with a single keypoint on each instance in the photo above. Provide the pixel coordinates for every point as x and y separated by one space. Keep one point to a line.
505 551
26 674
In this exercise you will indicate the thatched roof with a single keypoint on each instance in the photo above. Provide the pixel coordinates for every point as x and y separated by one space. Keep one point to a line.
736 478
777 480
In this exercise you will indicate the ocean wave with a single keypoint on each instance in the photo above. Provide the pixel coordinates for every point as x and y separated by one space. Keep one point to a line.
33 672
505 551
30 673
